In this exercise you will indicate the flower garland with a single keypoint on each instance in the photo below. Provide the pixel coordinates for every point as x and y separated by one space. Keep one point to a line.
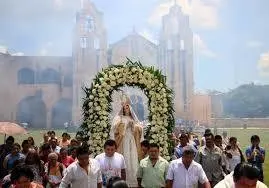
97 104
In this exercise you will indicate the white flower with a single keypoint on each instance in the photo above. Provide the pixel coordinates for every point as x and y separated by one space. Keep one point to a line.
94 91
116 70
91 96
113 83
134 70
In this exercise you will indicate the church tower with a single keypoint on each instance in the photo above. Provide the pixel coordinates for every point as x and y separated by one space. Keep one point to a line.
176 58
89 52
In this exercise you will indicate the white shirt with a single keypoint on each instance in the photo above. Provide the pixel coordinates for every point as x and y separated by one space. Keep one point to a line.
111 166
78 177
186 178
228 182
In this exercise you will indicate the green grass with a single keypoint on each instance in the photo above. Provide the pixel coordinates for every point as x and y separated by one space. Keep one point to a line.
243 136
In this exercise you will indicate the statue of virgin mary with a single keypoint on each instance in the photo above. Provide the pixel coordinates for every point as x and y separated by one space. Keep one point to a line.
128 134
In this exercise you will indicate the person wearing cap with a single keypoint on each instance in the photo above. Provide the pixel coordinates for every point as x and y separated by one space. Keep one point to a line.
185 172
183 141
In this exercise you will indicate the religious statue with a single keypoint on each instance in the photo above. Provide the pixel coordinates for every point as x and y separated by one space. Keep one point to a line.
128 134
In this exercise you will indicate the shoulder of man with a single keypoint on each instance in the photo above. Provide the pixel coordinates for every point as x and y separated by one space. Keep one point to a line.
260 185
98 157
116 154
197 164
163 160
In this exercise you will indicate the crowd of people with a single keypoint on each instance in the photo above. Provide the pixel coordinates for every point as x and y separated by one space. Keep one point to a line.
214 161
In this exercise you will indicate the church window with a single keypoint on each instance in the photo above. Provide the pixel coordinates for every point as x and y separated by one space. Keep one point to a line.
96 44
169 45
88 24
182 45
26 76
49 76
83 42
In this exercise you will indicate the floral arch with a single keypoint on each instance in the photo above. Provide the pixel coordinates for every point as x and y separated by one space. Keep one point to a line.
97 104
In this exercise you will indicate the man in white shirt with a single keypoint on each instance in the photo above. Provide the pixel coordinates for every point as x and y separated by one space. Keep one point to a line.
186 173
112 163
244 175
83 173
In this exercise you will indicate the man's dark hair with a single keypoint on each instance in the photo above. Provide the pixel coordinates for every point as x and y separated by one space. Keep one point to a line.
209 135
21 170
51 139
24 143
83 150
52 132
16 144
110 143
65 134
246 170
207 131
73 148
232 139
188 150
145 143
218 137
154 145
10 138
116 182
45 147
63 149
254 138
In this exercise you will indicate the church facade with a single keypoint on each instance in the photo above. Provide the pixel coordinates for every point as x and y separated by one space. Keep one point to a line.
46 91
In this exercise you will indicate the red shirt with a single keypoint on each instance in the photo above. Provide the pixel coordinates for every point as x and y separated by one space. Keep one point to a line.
67 161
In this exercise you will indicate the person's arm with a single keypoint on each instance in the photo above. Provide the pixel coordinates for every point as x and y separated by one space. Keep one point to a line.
99 178
197 157
5 162
169 183
202 178
139 175
249 155
262 155
67 179
123 167
123 174
206 185
170 177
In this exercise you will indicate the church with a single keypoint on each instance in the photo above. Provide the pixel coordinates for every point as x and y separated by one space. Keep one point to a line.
46 91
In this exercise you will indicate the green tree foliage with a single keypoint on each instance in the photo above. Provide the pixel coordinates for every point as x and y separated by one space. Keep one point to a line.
247 101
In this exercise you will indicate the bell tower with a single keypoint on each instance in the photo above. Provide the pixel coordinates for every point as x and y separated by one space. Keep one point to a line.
176 58
89 52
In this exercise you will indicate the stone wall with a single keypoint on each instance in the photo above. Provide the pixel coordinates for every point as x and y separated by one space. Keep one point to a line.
240 122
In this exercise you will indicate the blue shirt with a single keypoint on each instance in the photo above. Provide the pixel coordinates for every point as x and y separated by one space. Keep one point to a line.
179 150
258 161
12 158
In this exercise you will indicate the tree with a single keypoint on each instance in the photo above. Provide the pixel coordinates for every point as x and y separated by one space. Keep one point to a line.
247 101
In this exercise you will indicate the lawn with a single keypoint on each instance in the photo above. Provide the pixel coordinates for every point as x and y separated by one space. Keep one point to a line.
243 136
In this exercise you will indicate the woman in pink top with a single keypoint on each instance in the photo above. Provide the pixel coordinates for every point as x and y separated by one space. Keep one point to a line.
64 142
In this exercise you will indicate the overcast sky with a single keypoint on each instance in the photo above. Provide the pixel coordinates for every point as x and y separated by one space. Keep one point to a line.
230 36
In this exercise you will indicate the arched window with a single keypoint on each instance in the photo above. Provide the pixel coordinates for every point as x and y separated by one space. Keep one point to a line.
61 113
32 110
26 76
50 76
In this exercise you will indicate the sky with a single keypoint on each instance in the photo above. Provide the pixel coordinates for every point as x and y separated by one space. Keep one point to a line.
231 43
